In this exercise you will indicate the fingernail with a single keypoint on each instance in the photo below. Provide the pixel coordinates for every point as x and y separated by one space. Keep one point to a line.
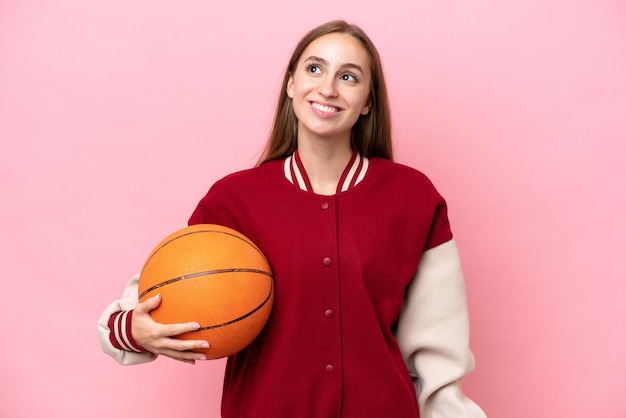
205 345
157 297
196 325
202 358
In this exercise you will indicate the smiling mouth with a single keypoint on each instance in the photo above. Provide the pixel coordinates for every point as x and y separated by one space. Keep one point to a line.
324 108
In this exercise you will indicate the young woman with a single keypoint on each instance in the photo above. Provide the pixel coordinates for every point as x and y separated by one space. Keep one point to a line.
370 316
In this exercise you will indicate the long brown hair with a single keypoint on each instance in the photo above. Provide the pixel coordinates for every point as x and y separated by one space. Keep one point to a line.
371 134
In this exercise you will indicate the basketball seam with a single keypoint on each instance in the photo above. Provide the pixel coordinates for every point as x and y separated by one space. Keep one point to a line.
202 273
269 295
246 240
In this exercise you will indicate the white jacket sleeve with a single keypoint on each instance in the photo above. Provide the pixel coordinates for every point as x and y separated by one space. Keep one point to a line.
433 335
128 301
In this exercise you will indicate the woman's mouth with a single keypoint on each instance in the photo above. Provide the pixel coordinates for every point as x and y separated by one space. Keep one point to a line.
324 108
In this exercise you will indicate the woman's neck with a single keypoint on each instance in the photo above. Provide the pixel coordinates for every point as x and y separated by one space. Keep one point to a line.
324 162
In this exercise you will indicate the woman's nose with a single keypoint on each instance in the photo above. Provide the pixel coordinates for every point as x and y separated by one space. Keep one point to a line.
327 87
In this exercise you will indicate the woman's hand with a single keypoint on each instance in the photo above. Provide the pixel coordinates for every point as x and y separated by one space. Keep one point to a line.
156 337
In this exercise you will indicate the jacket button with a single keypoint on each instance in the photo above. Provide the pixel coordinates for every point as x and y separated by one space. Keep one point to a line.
330 369
329 313
327 261
325 205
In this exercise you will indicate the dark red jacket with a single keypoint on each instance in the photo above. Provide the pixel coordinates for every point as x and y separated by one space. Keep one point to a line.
341 265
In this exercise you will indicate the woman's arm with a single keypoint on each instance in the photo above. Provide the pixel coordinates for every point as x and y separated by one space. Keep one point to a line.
433 335
114 328
130 335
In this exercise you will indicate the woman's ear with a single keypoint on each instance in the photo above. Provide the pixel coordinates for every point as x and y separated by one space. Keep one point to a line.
289 87
366 109
368 105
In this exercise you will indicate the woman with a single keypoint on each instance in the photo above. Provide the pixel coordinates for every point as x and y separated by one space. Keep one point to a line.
369 317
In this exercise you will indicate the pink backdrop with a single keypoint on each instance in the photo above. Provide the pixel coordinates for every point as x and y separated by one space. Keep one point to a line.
116 117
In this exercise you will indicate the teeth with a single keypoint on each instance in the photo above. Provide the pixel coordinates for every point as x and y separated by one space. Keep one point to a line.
324 108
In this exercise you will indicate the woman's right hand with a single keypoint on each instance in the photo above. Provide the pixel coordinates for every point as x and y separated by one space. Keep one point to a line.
157 338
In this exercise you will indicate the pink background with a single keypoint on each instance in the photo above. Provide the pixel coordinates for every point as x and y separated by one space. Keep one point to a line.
116 117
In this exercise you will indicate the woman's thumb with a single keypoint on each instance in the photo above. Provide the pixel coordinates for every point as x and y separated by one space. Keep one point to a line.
149 304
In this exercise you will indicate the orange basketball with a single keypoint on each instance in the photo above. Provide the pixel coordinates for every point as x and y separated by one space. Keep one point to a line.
215 276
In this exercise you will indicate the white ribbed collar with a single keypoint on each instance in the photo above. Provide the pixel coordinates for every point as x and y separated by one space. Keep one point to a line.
352 175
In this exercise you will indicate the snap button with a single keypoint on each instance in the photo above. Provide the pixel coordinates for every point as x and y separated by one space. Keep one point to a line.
329 313
325 205
330 369
327 261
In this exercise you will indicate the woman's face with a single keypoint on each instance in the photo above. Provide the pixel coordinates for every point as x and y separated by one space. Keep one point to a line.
330 87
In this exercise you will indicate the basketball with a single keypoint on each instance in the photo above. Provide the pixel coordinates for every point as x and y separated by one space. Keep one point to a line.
215 276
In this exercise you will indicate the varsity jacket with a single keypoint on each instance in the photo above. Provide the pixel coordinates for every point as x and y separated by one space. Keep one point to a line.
369 317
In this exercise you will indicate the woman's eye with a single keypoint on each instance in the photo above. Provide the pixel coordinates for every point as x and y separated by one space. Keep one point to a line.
348 77
314 68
